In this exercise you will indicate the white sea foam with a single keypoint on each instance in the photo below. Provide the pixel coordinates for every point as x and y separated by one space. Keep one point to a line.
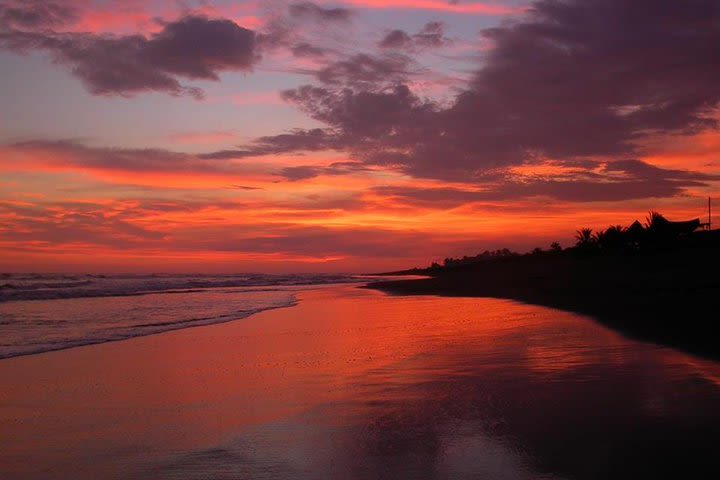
39 313
54 286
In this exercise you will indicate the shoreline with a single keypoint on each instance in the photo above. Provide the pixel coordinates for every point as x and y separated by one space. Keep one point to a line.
668 298
352 377
148 329
180 326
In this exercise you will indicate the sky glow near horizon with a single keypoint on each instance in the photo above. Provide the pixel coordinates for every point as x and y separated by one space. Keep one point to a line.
359 135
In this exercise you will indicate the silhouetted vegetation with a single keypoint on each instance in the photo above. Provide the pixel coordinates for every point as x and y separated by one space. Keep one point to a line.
584 238
481 257
656 232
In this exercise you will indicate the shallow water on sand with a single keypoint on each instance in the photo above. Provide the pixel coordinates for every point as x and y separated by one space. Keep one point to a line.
41 313
355 384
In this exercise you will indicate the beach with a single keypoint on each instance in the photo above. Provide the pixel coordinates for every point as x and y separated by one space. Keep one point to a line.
665 296
353 383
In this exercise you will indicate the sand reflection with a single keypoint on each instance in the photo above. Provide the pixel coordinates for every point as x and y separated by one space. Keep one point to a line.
355 384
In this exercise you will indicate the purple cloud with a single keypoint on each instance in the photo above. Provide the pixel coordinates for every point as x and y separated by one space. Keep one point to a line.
395 39
297 140
310 10
616 181
303 172
572 80
306 50
70 152
364 71
199 47
432 35
193 47
36 14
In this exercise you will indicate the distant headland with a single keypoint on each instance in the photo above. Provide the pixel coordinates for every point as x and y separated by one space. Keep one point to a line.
657 281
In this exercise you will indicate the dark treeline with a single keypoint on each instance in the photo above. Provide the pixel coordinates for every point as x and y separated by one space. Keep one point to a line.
655 233
480 257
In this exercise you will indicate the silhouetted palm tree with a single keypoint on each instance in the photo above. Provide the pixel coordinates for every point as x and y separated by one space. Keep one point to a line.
584 237
655 221
612 238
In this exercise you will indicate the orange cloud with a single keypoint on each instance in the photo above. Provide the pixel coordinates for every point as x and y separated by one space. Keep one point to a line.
700 150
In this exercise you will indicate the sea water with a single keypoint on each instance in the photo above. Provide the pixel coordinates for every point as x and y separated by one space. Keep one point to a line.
40 312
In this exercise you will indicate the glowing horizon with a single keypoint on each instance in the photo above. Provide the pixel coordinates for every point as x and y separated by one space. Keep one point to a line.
349 136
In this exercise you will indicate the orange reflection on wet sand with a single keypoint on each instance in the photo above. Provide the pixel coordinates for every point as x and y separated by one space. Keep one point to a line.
354 366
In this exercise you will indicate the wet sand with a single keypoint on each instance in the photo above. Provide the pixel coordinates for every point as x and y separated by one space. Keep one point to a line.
665 296
352 383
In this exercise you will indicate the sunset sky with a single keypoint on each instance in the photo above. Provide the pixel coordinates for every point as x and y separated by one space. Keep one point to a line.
345 136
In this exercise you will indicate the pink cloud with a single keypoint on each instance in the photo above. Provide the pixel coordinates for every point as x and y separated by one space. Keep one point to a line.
481 8
141 16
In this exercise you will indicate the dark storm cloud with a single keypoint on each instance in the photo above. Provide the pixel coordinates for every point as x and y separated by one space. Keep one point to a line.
193 47
589 77
360 117
198 47
354 114
573 79
310 10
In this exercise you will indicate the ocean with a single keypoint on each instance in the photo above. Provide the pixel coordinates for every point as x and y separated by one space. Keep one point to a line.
41 312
